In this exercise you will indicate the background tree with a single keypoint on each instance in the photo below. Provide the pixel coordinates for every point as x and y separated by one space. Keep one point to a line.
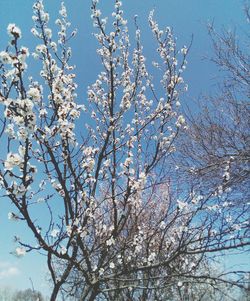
7 294
105 204
27 295
216 151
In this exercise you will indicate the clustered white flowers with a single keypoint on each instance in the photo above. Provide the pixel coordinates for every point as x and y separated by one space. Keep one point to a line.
108 182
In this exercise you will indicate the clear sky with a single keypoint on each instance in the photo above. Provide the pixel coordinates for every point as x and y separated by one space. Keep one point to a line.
186 17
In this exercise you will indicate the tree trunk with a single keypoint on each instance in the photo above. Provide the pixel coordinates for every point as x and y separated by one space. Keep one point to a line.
54 293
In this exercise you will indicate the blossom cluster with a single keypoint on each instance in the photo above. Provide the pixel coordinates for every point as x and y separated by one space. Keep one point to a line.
113 209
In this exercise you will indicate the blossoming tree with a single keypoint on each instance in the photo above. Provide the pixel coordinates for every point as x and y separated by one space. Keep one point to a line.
93 180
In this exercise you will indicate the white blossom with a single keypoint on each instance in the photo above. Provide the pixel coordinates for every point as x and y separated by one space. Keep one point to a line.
34 93
10 131
63 250
20 251
111 265
110 242
12 216
5 57
180 121
54 233
12 161
13 30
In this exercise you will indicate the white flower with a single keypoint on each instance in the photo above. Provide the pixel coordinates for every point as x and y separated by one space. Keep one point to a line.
12 216
45 17
12 161
184 50
181 205
127 162
180 121
89 164
162 225
48 32
142 177
26 104
22 133
53 46
110 241
58 22
21 150
34 32
38 5
74 113
35 56
10 130
112 265
5 57
63 11
41 48
54 233
152 257
69 230
179 283
34 93
20 251
63 250
97 13
24 52
106 163
13 30
40 200
226 176
18 190
43 112
118 4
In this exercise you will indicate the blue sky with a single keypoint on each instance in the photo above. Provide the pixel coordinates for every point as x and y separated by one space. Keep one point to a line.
186 17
